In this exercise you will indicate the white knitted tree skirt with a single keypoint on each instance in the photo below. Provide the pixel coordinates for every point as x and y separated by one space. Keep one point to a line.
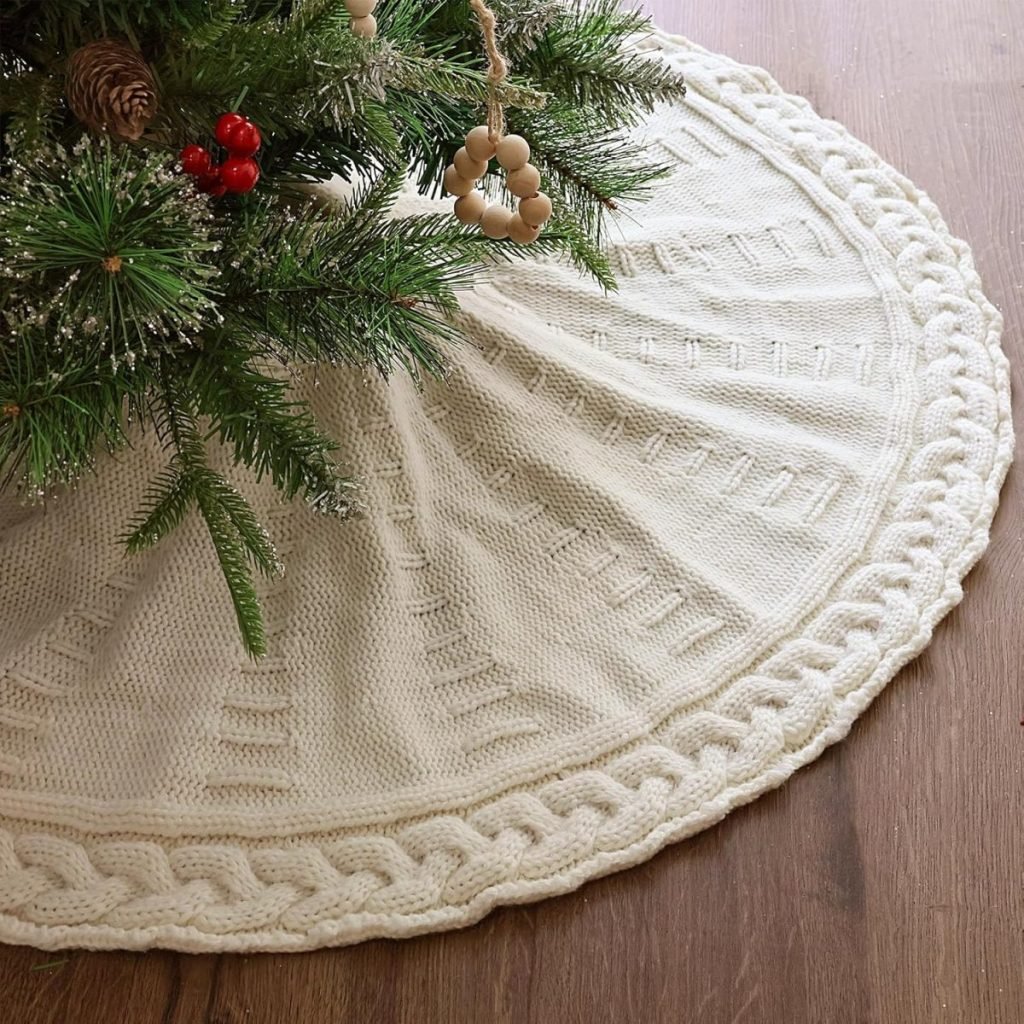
644 556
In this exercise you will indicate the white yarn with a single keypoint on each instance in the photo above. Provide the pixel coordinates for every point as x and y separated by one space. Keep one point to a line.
642 557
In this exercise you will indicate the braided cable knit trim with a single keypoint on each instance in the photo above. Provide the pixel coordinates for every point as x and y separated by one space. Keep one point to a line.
450 871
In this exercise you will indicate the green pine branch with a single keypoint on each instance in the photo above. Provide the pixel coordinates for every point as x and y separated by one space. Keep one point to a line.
252 411
240 542
582 60
168 501
110 247
56 413
42 29
347 286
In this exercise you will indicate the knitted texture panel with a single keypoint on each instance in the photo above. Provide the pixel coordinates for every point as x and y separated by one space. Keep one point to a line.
639 559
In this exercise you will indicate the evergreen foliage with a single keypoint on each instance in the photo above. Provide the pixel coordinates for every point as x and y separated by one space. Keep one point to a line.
126 296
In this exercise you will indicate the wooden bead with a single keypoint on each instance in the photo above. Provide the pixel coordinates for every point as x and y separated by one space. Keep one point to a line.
513 152
524 182
470 169
495 221
360 8
455 184
536 209
470 208
365 27
479 145
521 232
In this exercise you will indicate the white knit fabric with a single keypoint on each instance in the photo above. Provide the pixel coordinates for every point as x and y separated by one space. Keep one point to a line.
643 556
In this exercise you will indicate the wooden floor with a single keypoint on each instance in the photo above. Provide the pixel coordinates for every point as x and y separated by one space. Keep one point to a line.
885 883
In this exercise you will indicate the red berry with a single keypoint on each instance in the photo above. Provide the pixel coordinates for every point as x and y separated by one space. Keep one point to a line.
210 183
239 173
244 139
195 160
226 123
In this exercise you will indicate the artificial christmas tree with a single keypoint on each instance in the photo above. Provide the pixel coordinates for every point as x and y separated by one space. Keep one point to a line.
163 267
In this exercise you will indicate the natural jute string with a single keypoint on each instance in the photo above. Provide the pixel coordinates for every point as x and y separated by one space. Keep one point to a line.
497 70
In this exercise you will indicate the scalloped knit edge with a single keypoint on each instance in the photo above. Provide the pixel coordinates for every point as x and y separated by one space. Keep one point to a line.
352 927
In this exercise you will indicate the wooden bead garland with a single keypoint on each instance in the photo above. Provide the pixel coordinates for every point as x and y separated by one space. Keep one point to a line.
485 143
479 145
513 152
523 181
361 12
470 207
494 223
455 184
521 232
535 209
468 168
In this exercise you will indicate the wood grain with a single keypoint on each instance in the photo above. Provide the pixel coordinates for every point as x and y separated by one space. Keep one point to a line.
884 883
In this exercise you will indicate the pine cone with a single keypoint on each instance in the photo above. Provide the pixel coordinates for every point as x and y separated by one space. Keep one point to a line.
111 89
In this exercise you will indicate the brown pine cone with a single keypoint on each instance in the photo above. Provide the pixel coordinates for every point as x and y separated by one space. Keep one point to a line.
111 89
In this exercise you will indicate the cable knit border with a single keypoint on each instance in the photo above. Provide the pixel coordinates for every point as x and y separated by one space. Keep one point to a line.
450 871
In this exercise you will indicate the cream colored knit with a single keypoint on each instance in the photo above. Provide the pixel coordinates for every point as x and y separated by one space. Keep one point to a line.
644 556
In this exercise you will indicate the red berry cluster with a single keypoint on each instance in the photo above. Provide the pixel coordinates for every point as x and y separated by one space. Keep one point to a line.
239 172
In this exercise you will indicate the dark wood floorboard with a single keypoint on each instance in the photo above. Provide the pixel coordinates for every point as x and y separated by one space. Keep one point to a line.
882 885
